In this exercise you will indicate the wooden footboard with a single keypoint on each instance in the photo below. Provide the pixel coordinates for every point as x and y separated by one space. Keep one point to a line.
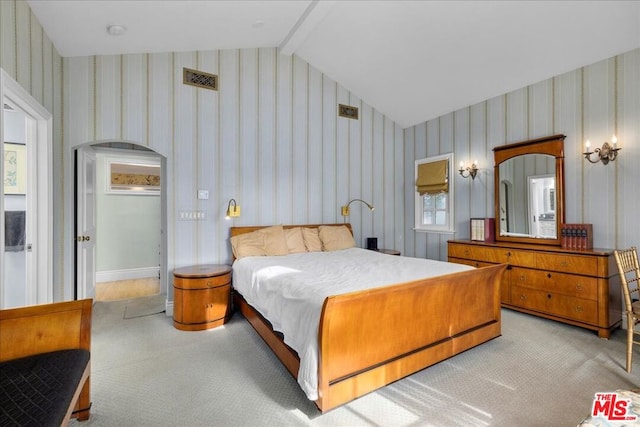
369 339
372 338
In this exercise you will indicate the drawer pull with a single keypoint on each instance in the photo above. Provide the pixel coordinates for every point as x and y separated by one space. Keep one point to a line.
209 284
579 287
523 297
564 264
549 296
549 275
579 309
522 278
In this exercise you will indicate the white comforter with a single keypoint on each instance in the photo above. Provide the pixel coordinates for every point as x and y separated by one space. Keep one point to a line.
289 291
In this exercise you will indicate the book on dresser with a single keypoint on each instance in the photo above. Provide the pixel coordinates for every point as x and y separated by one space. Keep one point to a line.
576 236
482 229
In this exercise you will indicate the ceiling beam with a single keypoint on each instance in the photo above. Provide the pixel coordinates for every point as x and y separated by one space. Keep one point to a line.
310 18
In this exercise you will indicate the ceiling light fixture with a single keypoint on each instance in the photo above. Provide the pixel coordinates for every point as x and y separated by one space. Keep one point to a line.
116 30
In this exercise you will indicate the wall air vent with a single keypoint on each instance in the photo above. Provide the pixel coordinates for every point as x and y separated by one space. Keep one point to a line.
200 79
348 111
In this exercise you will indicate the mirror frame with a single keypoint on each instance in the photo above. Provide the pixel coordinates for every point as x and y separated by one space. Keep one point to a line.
551 145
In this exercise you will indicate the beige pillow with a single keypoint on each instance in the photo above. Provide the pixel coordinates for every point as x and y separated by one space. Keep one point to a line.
311 239
274 240
336 237
295 241
248 244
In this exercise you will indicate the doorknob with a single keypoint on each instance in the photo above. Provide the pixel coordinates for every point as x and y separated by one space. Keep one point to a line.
83 238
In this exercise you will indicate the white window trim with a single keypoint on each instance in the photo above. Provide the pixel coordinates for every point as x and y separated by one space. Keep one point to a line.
419 227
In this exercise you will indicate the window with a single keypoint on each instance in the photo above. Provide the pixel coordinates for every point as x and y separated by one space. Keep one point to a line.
434 194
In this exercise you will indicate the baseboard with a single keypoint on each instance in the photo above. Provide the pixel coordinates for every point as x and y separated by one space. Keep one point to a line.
127 274
169 308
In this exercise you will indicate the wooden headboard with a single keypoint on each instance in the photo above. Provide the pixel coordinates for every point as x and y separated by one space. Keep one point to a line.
235 231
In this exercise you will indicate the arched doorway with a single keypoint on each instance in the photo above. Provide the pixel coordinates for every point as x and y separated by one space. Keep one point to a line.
119 226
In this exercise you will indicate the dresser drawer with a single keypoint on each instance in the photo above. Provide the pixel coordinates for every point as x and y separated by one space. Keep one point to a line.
492 255
515 257
471 262
561 283
202 283
567 264
465 251
579 309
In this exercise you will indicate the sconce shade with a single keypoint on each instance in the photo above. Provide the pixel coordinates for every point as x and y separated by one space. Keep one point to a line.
233 210
345 209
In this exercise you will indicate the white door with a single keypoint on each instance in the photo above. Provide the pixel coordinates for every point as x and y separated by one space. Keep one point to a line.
18 207
25 198
85 223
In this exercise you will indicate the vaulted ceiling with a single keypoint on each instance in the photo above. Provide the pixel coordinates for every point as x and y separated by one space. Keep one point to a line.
411 60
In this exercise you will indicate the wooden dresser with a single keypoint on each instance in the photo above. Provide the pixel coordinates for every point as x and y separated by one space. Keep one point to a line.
579 287
202 295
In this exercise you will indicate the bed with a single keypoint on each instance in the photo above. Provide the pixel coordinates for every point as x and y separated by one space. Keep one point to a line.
383 326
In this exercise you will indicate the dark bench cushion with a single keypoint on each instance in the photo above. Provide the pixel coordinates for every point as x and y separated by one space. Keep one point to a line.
37 390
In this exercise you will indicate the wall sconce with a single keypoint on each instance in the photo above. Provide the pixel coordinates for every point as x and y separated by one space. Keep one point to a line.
345 209
606 153
471 171
233 210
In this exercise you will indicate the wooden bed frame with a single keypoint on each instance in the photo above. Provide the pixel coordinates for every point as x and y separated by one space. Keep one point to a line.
371 338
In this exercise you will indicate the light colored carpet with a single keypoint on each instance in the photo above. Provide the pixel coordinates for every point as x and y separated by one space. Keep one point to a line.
538 373
145 306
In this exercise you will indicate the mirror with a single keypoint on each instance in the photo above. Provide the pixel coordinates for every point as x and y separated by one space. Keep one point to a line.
529 188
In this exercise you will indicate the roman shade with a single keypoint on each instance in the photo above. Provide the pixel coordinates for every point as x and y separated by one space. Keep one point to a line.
432 178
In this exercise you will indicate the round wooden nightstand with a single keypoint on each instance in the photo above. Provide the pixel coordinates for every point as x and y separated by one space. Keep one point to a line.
202 295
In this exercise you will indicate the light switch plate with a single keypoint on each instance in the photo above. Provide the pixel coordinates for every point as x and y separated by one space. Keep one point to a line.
203 194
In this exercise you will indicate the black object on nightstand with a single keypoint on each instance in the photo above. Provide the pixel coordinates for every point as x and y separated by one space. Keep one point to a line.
372 243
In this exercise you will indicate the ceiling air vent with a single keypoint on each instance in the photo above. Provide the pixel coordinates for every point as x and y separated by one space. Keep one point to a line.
200 79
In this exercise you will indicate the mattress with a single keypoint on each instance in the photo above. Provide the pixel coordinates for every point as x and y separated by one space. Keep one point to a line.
289 291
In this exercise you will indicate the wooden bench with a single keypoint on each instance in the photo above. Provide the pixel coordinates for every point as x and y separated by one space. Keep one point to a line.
45 363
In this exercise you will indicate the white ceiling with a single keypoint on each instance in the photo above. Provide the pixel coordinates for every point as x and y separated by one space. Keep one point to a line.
411 60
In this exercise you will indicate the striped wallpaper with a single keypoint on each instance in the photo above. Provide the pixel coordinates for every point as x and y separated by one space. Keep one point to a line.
270 138
592 103
29 57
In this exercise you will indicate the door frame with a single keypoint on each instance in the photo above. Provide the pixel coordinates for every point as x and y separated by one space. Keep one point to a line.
40 287
72 288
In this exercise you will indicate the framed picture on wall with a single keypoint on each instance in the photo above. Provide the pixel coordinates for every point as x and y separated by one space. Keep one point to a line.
15 168
133 178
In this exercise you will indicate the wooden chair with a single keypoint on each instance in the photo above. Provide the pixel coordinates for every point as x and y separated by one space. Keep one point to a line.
627 260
